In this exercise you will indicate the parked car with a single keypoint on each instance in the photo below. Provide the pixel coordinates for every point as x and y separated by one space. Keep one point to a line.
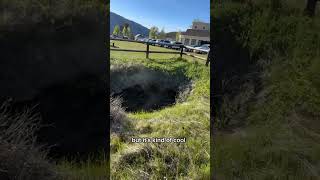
146 40
142 39
190 48
176 45
125 37
159 42
113 36
205 48
166 43
152 41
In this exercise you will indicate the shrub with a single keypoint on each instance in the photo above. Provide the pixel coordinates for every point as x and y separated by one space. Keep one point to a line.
120 123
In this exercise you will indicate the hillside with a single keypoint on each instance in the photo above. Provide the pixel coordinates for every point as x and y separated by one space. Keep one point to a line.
136 28
267 91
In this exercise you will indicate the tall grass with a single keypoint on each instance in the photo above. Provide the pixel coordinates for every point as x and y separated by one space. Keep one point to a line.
95 168
20 156
188 118
280 138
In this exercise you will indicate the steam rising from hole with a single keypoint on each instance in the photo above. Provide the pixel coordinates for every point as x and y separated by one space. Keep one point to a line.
144 89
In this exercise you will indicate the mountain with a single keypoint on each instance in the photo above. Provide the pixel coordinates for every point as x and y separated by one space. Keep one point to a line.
136 28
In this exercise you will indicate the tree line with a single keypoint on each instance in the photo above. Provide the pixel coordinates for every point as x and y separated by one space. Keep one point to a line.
154 33
124 30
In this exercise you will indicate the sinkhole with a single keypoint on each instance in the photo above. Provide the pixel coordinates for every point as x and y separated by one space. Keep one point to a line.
145 89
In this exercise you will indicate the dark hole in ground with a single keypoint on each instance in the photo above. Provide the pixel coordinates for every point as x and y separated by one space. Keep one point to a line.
146 89
152 97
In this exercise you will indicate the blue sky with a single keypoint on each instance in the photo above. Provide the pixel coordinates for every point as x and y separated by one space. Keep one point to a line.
172 15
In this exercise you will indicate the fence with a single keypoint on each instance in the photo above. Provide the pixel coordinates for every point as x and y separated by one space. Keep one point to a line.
147 51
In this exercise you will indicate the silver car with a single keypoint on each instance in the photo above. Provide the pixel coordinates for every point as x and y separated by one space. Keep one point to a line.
205 48
176 45
166 43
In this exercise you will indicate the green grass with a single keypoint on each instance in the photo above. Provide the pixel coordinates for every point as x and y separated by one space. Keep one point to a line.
140 46
279 137
92 168
190 119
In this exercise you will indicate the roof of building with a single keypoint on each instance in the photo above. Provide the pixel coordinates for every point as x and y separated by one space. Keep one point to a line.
196 32
200 22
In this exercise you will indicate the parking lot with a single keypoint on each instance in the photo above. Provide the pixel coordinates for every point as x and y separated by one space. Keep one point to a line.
141 46
194 50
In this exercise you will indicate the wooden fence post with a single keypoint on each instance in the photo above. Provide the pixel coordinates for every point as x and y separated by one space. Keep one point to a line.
181 52
208 58
147 52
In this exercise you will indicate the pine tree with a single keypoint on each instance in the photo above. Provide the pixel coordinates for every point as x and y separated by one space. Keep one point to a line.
125 31
129 33
116 30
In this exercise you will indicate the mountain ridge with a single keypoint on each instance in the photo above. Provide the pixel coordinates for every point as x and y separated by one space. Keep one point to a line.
136 28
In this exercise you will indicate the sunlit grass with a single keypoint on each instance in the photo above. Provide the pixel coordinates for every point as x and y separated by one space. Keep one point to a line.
189 119
139 55
279 137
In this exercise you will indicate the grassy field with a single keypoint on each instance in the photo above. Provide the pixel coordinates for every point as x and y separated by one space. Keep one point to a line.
273 131
95 168
140 46
190 119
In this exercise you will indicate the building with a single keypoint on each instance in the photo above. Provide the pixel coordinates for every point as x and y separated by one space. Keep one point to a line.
199 34
200 25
